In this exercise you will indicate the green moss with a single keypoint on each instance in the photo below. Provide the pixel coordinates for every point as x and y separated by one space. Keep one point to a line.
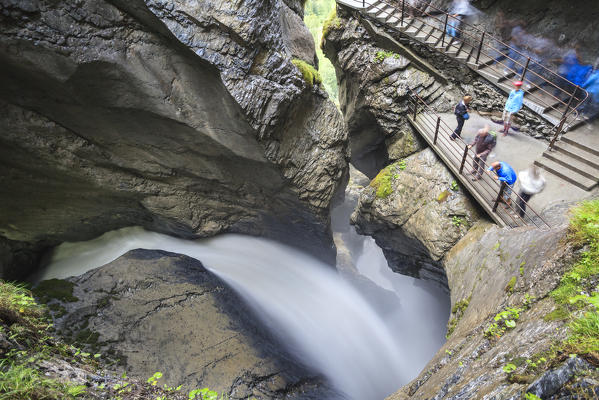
443 196
382 183
309 73
457 311
55 289
381 55
509 288
451 325
558 314
57 310
461 306
331 23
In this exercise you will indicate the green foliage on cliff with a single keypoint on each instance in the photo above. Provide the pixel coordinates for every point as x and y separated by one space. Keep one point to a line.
577 288
25 327
332 22
309 73
382 183
381 55
315 18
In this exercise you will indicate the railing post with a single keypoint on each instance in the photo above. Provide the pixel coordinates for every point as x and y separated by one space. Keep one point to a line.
464 159
480 47
415 108
498 199
363 3
525 69
444 30
437 130
557 132
403 5
564 117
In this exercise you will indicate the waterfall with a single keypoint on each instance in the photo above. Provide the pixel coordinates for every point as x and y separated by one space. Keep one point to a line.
325 321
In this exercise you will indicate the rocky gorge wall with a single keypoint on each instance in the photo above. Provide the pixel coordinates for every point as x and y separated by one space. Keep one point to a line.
114 113
429 228
414 208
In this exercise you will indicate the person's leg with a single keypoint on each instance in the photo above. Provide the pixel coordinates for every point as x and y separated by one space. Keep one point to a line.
481 165
507 193
524 197
458 130
505 118
475 165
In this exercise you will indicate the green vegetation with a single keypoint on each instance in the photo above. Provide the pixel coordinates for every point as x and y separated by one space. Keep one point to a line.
531 396
454 186
24 326
457 221
509 288
576 288
382 182
320 16
309 73
55 289
381 55
443 196
457 312
505 319
332 22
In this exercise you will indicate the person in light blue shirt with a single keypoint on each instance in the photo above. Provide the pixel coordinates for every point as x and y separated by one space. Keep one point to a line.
505 173
512 106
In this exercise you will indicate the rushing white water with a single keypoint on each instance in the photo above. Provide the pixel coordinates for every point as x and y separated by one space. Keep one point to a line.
325 320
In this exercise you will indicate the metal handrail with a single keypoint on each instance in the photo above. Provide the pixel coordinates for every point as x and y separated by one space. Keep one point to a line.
483 43
459 152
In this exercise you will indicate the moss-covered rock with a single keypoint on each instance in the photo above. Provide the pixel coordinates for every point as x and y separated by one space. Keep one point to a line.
308 72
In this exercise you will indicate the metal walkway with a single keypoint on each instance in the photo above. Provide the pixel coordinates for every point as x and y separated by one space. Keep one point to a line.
548 94
456 155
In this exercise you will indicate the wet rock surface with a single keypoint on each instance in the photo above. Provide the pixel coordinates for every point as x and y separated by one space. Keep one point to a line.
158 311
114 114
374 85
421 218
489 271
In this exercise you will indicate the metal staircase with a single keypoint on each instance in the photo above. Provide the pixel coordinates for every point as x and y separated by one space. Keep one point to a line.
548 94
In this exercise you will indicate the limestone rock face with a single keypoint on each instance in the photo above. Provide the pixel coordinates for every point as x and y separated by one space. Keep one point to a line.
157 311
489 271
113 113
374 81
421 217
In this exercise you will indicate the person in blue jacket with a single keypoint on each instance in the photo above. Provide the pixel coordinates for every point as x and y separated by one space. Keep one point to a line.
504 173
512 106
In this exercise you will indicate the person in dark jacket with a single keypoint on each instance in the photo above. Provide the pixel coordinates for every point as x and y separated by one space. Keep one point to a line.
460 110
484 142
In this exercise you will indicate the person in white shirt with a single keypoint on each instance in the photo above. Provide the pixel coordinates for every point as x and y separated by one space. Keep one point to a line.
531 182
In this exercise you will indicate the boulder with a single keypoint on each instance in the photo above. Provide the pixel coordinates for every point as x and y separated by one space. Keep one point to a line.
155 311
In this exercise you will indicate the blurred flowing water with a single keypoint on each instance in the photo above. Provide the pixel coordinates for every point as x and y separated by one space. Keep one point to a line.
366 348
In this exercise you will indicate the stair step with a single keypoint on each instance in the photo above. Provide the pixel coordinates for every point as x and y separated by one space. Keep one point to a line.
574 164
578 153
588 149
425 32
414 28
566 174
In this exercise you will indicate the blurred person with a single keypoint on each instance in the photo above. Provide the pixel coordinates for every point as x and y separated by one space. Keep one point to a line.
484 142
531 183
513 104
504 173
461 114
458 10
